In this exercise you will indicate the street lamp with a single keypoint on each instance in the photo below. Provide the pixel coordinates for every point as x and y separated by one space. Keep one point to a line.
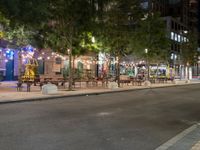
147 63
93 39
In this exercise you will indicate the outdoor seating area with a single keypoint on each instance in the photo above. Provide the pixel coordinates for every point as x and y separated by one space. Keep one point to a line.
54 79
89 82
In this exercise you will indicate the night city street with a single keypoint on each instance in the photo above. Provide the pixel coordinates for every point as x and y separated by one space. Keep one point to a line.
134 120
99 74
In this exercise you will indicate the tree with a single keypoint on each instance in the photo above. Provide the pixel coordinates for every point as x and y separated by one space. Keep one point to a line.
151 34
68 21
59 25
189 50
116 23
32 13
151 41
18 37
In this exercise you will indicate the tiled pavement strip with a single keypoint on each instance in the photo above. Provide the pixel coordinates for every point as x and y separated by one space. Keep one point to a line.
8 92
189 139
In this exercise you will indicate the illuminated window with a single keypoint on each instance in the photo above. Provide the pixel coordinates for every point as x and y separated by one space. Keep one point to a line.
172 35
179 38
176 37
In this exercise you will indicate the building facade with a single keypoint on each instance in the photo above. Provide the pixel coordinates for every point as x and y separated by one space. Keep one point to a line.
181 17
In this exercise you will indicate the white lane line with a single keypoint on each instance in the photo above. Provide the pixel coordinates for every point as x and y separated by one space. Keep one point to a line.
175 139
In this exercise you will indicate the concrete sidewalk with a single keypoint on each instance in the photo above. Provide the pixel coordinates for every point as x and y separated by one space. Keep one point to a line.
8 92
188 139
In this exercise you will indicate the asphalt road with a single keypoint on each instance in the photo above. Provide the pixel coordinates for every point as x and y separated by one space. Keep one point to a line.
135 120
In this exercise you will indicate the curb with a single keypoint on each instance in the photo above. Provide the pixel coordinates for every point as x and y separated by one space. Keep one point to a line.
89 94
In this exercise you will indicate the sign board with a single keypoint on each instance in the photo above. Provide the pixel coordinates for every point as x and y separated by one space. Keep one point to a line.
56 68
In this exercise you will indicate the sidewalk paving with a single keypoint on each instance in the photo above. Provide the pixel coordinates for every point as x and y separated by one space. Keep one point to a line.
8 91
189 139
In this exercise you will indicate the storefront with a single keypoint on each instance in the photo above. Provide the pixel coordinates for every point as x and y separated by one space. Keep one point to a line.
9 61
7 64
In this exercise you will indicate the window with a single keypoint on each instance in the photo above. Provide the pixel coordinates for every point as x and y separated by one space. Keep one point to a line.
179 38
172 35
176 37
58 60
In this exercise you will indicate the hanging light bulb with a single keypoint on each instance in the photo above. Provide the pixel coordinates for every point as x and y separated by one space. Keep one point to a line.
40 58
8 51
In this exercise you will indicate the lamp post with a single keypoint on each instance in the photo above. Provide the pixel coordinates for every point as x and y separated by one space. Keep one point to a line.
147 63
70 69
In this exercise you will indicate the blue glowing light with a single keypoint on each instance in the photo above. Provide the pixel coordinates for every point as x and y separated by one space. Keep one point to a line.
9 54
28 48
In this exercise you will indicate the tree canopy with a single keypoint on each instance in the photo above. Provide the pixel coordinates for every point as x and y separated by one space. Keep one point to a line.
189 49
152 34
115 24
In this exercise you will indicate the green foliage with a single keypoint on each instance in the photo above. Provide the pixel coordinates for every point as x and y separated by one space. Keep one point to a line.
26 12
152 34
18 35
3 20
118 25
69 23
62 25
189 49
58 24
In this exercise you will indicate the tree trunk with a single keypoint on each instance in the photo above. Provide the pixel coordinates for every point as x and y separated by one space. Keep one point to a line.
118 71
73 65
70 56
188 72
96 66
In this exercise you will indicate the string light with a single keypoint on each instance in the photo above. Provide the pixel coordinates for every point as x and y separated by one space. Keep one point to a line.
40 58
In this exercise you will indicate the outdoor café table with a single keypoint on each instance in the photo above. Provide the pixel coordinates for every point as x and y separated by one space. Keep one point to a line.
161 79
